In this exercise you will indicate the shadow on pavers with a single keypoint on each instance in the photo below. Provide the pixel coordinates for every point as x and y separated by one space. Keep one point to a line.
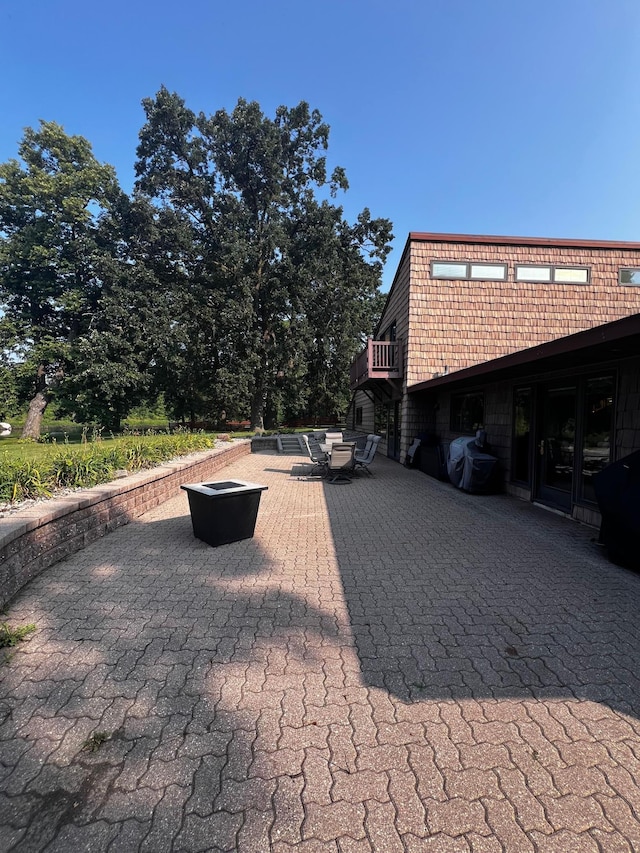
188 661
169 663
455 596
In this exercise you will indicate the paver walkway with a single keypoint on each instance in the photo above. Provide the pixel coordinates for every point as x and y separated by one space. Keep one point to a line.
390 665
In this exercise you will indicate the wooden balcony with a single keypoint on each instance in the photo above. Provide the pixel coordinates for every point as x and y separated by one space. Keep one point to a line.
379 360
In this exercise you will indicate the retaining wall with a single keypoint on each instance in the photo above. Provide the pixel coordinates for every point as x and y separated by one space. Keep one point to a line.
33 539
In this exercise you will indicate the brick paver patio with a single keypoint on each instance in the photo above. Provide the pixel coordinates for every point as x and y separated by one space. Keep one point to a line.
390 665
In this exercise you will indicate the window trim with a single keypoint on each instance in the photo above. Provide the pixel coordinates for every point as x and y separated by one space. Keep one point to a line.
529 279
552 268
505 268
587 269
450 277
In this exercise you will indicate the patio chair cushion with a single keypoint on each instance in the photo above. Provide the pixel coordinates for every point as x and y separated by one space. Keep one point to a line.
364 460
341 462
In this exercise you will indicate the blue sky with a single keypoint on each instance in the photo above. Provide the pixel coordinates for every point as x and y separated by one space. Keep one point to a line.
471 116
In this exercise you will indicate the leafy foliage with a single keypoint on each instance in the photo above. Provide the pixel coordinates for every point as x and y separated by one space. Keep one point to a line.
265 256
50 206
230 285
10 636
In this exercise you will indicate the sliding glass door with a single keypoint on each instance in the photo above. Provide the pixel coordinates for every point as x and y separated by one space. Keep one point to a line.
571 439
557 445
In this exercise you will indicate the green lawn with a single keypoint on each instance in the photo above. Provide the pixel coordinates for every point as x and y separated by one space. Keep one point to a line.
15 449
64 433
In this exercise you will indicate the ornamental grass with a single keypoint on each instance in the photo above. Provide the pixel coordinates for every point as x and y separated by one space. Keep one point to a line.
85 465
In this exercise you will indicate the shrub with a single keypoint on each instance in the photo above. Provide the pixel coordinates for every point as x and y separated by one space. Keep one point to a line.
22 479
69 466
72 469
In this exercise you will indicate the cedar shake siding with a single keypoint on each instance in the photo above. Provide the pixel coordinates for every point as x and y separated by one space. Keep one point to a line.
453 323
448 321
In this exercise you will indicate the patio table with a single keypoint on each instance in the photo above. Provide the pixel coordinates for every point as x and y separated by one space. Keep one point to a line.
326 448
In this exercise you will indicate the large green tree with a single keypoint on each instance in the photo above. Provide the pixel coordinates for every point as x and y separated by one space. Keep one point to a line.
338 266
285 286
113 365
229 282
50 206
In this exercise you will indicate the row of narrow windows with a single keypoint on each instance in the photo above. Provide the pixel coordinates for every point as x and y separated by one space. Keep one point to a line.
525 272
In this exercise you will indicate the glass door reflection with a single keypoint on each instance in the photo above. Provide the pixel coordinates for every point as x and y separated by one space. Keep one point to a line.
556 446
598 423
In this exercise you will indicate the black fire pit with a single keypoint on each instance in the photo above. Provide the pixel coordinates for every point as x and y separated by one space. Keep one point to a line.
223 511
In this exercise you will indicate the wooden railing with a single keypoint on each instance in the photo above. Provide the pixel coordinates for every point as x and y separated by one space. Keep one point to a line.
379 360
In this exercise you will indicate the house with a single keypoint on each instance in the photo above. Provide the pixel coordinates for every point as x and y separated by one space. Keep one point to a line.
535 340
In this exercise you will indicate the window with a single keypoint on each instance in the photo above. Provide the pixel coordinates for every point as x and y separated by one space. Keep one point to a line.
488 272
533 273
598 423
522 435
448 270
574 275
562 275
390 333
468 271
358 415
381 418
630 276
467 412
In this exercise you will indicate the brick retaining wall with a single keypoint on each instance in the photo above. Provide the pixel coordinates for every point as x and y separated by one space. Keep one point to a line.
33 539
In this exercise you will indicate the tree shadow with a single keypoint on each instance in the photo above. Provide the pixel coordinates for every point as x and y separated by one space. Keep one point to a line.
179 657
220 675
455 596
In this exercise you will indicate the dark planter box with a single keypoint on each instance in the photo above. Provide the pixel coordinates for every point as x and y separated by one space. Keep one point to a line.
224 511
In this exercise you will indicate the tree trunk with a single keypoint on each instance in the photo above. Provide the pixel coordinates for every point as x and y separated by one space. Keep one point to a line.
33 422
270 414
270 420
257 407
113 423
37 405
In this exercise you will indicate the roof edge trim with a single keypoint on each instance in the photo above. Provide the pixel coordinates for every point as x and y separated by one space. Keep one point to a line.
491 239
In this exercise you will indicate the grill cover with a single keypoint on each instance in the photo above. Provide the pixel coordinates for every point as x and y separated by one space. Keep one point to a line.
470 467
